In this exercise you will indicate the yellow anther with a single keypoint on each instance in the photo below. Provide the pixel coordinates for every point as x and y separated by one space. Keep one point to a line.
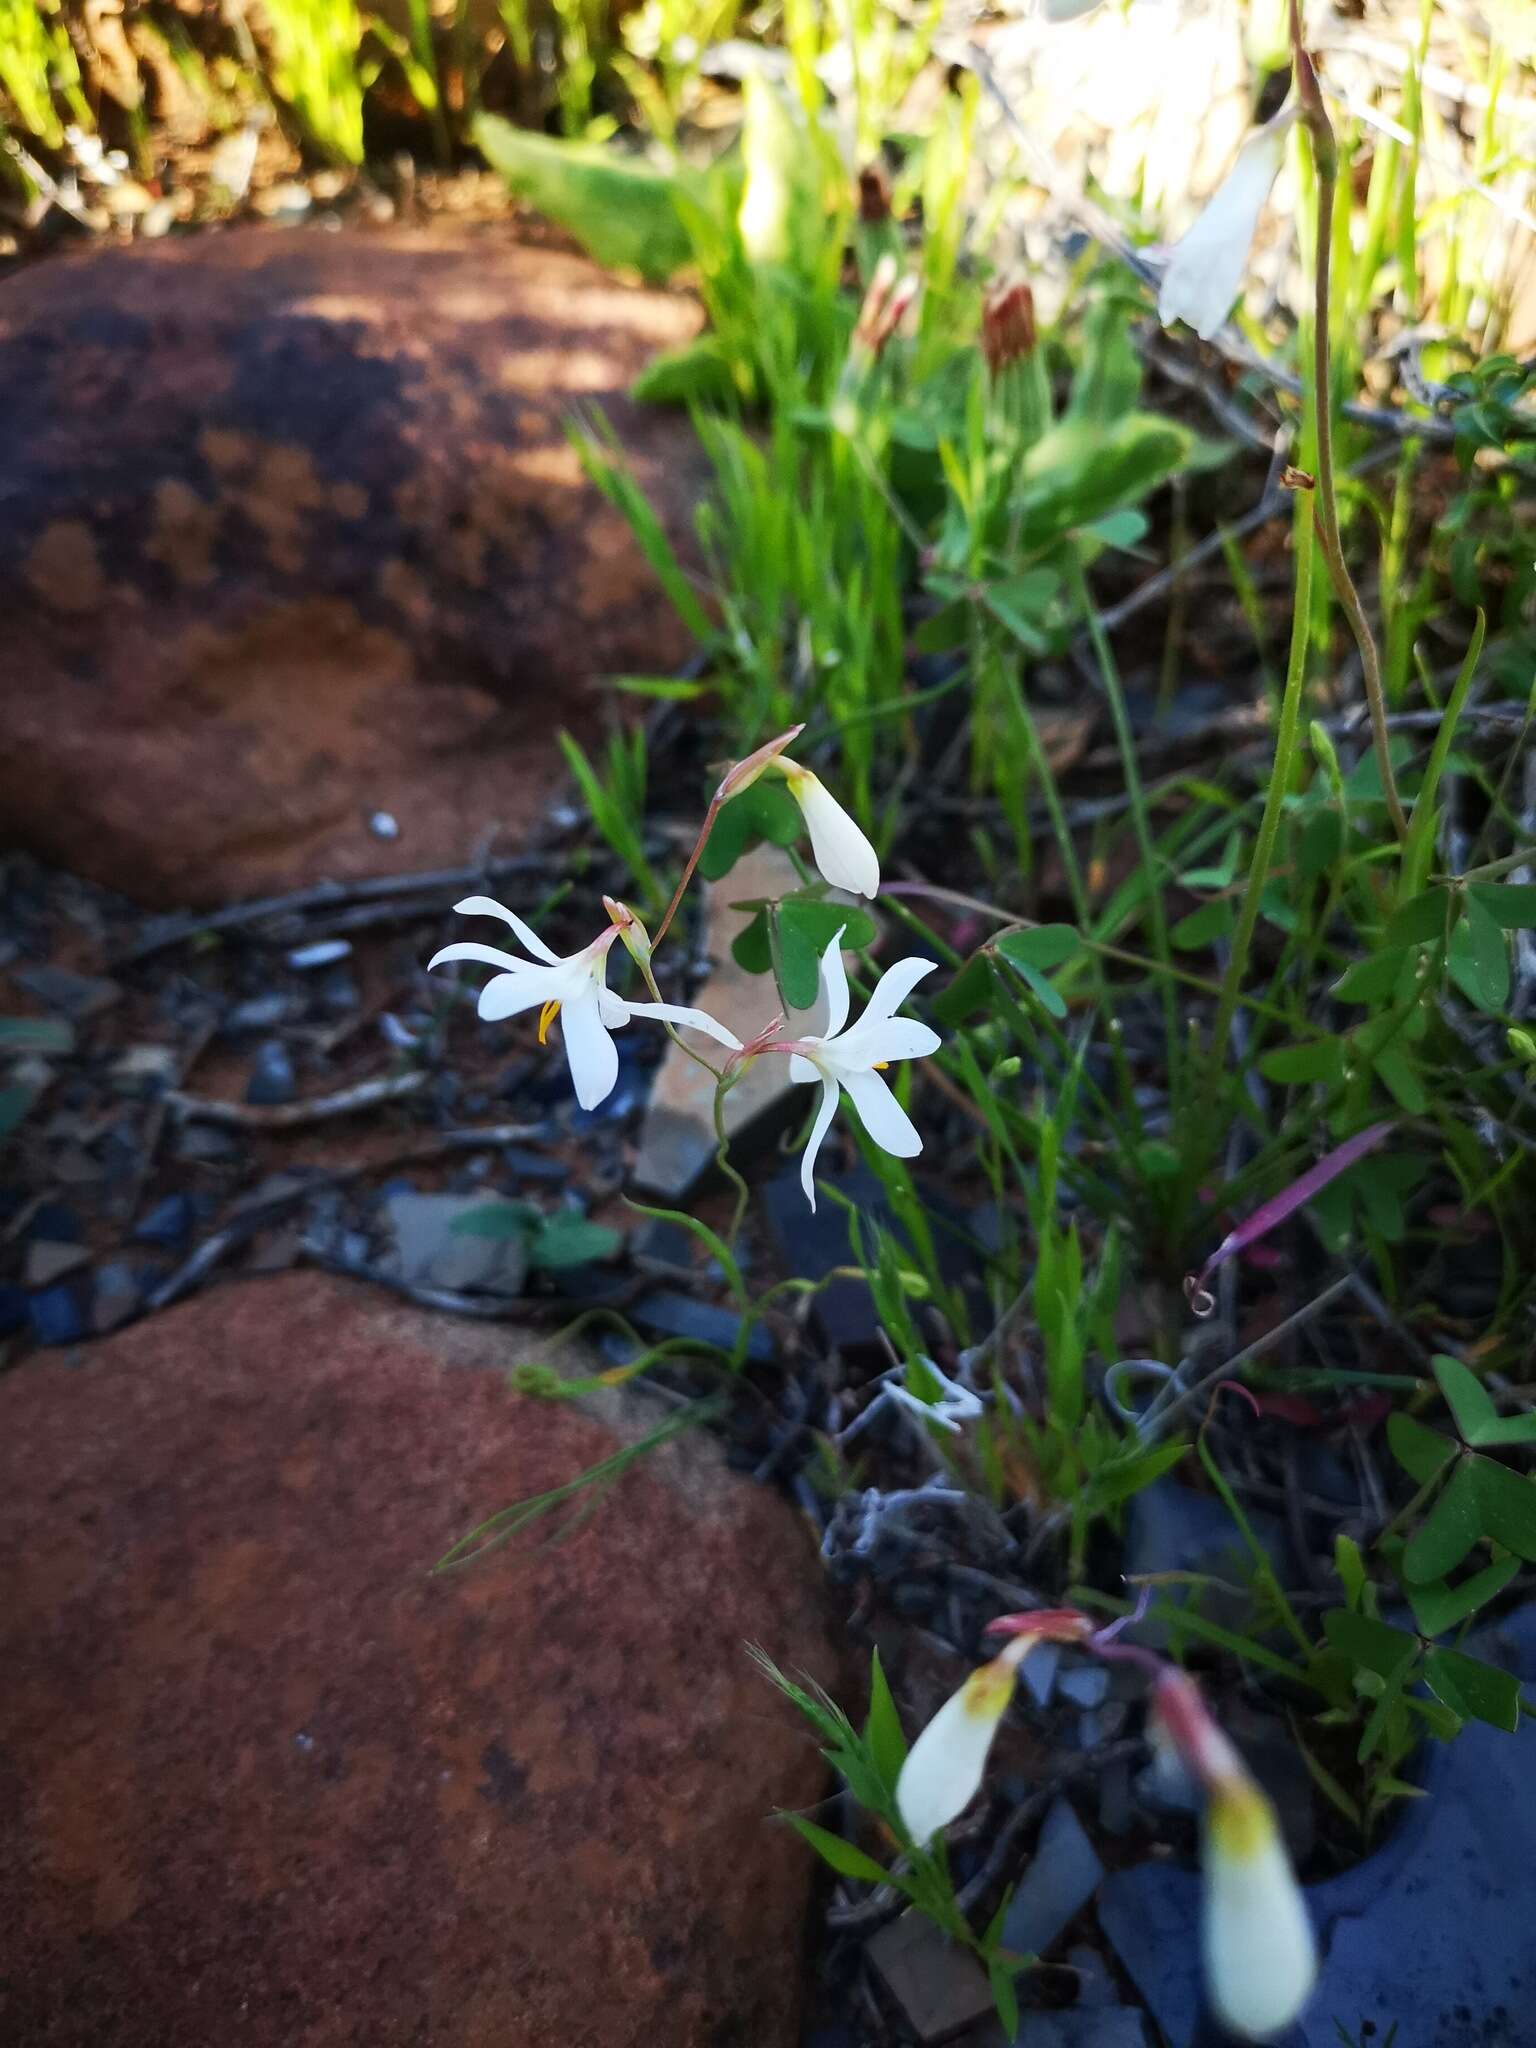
881 1065
547 1016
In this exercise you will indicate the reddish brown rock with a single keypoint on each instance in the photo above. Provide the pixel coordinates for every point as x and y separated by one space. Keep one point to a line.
263 1780
291 532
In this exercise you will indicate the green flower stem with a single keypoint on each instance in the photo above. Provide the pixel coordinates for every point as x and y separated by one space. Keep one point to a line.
1274 799
1325 158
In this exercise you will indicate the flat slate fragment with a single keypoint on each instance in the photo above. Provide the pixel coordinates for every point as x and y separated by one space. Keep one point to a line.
939 1988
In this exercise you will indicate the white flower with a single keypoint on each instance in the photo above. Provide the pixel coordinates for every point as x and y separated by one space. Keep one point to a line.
1260 1952
852 1059
1205 271
944 1767
843 856
575 989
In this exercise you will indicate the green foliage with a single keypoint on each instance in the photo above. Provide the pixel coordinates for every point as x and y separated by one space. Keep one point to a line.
869 1763
554 1242
317 69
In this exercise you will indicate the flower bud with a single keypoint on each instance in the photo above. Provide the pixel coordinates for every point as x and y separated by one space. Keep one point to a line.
1007 326
874 195
843 855
1260 1951
945 1766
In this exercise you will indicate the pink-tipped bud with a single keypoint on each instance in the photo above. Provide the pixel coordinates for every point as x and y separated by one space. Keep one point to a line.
1045 1625
885 306
637 940
1007 326
742 774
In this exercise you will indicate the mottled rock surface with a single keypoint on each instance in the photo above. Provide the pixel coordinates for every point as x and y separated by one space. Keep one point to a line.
291 532
263 1780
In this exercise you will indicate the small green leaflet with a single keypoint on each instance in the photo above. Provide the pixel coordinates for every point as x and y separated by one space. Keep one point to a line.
764 811
1478 960
1031 954
1476 1691
790 935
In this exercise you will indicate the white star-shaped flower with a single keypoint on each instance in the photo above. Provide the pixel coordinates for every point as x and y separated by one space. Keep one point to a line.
851 1059
575 989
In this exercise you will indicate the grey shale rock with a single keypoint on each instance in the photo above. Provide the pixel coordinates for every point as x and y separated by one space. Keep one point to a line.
939 1988
429 1252
1063 1875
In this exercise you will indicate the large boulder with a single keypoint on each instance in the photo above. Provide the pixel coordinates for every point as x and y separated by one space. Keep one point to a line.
265 1780
291 533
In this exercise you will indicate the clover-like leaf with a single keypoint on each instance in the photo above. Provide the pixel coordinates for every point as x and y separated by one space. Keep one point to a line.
1453 1525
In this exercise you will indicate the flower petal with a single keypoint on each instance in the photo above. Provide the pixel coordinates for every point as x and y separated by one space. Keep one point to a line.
894 986
813 1143
1260 1951
943 1770
834 985
842 854
508 995
693 1020
801 1069
590 1053
883 1116
469 949
1205 272
888 1038
487 906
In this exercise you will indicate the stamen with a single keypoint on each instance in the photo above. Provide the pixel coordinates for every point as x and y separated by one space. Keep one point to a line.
547 1016
881 1065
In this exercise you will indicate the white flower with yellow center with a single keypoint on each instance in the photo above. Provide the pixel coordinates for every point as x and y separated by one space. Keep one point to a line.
1205 271
946 1764
853 1059
1260 1950
574 989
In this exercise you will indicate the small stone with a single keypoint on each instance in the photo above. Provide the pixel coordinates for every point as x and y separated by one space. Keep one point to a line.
206 1144
48 1261
161 217
56 1315
76 995
670 1313
338 994
534 1166
116 1297
262 1013
272 1079
230 164
323 953
1166 1788
1171 1528
288 201
1116 1812
1062 1877
939 1987
1095 1986
169 1223
1038 1672
57 1222
384 825
140 1069
429 1252
665 1249
1086 1685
